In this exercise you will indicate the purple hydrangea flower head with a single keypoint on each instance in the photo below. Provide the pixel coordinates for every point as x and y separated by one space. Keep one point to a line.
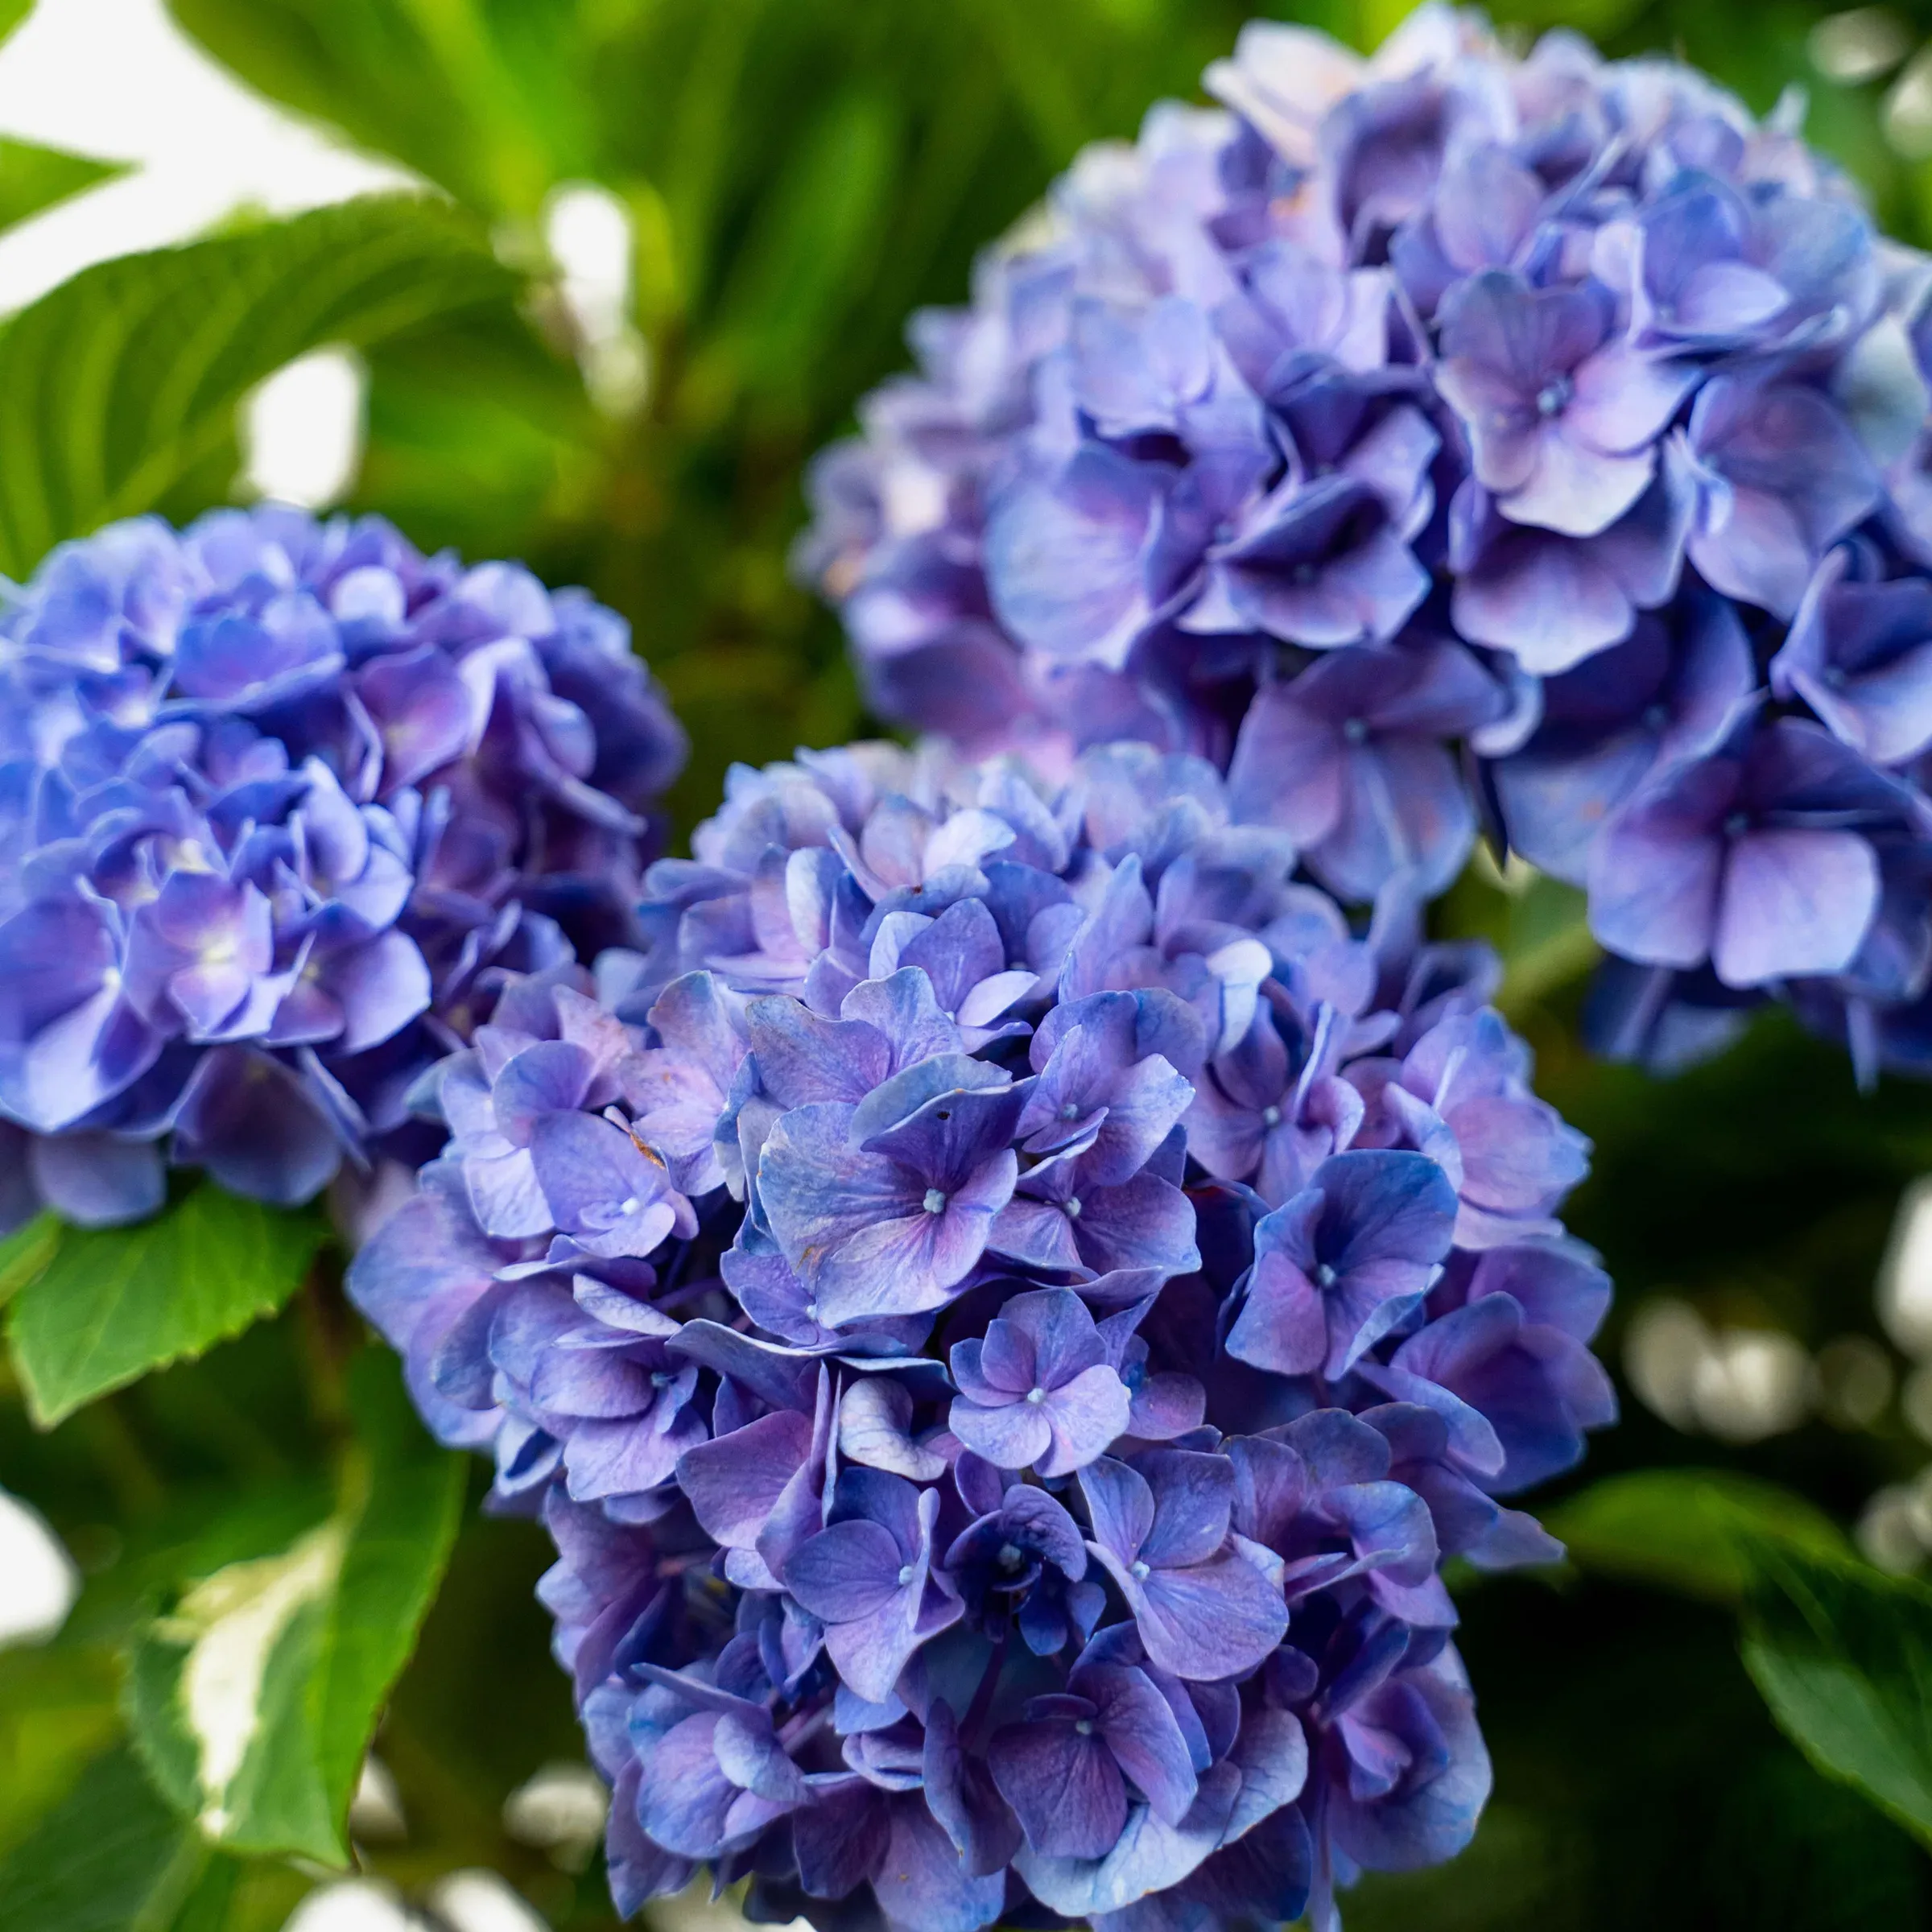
1459 437
1006 1297
284 799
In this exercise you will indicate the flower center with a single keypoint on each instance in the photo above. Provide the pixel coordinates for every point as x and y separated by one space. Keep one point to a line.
1010 1557
1084 1726
1355 731
1656 717
935 1201
1036 1395
1071 1111
1071 1204
1554 397
660 1380
1737 825
1271 1116
628 1205
1140 1570
1324 1275
811 1311
905 1575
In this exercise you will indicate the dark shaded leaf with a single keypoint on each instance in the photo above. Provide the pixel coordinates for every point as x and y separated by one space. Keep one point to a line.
1692 1530
1843 1654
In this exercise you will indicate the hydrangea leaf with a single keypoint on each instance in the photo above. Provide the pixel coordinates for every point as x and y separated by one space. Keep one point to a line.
107 1305
26 1252
458 93
252 1696
1694 1531
58 1712
115 385
33 178
1843 1655
111 1857
790 286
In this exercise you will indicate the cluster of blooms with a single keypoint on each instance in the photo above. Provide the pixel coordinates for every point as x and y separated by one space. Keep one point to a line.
1542 407
1005 1305
280 800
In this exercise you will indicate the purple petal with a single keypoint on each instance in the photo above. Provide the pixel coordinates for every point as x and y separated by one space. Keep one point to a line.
1793 903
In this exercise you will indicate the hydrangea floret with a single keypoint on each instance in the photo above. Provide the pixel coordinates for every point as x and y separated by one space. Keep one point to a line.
1450 438
1005 1305
281 800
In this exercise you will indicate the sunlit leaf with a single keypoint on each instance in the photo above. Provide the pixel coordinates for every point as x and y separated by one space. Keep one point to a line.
253 1696
1843 1654
475 97
1692 1531
114 386
107 1305
33 178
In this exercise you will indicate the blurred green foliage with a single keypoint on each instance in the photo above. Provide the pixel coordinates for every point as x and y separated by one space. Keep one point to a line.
800 174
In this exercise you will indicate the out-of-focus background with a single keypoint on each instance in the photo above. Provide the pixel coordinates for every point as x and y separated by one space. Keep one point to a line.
709 219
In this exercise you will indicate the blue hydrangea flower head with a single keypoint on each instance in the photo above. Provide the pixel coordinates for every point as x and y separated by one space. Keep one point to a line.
1459 437
1006 1300
281 801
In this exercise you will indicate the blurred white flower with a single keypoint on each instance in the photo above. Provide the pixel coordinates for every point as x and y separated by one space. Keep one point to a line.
1740 1385
352 1904
1908 110
561 1809
1905 1275
1751 1383
1888 1531
1667 1338
478 1901
1855 1381
1857 45
375 1813
37 1580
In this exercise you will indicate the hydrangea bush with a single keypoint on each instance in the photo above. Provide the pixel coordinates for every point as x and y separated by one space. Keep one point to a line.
280 802
1005 1304
1451 437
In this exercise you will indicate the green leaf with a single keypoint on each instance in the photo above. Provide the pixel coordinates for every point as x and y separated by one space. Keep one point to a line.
33 178
253 1697
26 1252
12 13
116 384
450 88
1696 1531
802 265
108 1304
57 1713
110 1858
1843 1654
